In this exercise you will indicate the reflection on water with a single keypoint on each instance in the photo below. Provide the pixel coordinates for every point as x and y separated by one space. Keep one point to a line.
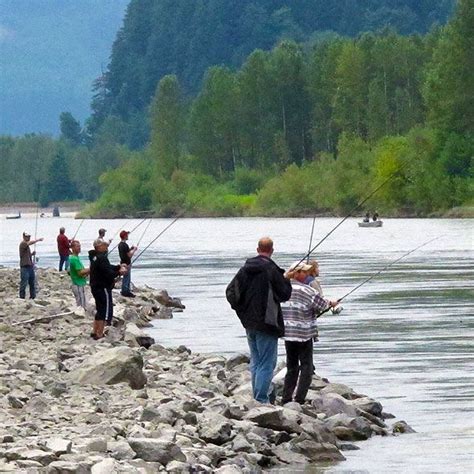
405 338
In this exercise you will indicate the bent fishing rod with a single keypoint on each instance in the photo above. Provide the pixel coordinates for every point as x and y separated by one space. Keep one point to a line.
158 236
311 250
378 273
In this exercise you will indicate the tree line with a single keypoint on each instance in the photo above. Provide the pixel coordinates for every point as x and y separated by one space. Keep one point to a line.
298 129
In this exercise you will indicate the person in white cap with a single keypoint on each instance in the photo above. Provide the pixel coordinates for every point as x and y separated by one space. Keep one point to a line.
27 266
299 315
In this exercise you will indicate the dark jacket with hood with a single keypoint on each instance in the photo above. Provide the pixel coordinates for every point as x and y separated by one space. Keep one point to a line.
255 294
103 273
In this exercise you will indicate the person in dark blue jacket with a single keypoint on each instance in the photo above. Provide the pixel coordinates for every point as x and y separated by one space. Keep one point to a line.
255 293
102 280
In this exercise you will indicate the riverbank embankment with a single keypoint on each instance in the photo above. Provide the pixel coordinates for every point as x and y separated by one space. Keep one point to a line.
126 404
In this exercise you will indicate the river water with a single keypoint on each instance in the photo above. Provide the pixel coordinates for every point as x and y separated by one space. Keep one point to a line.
404 338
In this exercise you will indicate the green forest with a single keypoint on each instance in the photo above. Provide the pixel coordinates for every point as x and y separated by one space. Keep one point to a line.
303 113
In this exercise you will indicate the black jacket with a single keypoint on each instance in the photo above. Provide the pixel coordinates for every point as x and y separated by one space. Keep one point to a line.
255 294
103 273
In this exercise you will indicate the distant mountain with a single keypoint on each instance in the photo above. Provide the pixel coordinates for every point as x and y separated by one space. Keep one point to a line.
185 37
50 53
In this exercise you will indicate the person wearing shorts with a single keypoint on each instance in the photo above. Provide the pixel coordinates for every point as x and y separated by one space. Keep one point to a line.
102 280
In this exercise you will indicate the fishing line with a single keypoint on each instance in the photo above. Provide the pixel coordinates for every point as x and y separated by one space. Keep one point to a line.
379 272
143 234
352 211
311 239
160 234
135 228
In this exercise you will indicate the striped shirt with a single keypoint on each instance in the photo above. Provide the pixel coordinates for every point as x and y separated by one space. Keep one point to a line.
299 312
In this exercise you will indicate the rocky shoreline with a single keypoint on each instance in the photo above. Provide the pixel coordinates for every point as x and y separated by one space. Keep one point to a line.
126 404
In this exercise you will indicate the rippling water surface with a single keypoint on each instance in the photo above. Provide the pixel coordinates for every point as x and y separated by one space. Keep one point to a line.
405 338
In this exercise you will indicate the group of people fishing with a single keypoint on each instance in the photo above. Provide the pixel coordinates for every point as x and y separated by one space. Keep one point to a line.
102 274
272 303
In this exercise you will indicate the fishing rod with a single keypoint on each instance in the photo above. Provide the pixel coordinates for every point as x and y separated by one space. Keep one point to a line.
144 232
311 250
77 231
159 235
379 272
135 228
36 218
311 239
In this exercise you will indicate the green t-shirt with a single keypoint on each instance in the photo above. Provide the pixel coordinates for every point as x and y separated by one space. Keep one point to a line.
75 265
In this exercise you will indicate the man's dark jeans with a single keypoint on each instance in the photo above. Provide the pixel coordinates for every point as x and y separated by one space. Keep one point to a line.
27 275
63 261
299 362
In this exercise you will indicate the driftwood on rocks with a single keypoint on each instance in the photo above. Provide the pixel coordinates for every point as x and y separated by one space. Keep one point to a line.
126 404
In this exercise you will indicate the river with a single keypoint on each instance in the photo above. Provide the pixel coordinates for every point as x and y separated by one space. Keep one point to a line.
405 338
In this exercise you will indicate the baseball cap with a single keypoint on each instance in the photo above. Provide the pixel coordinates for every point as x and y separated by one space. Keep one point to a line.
299 266
102 230
26 234
124 234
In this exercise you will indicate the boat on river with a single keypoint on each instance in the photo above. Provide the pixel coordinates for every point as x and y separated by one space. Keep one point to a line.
13 216
371 224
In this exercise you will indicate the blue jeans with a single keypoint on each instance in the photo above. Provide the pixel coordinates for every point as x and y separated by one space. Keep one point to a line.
63 260
263 359
126 280
27 277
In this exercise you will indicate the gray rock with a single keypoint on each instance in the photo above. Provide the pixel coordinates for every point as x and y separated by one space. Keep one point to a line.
107 466
349 428
333 404
111 366
133 334
156 450
402 427
369 405
215 428
236 360
340 389
58 446
15 402
68 467
275 418
316 452
120 450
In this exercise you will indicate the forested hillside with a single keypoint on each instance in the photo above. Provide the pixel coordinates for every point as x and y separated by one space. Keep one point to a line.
300 128
185 37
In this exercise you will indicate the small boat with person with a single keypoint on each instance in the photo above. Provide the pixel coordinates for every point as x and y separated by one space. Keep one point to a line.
375 222
371 224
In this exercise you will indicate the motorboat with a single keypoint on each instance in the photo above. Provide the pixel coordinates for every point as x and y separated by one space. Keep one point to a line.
371 224
14 216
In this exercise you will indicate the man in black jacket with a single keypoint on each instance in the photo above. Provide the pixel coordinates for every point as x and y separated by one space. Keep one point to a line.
255 294
102 280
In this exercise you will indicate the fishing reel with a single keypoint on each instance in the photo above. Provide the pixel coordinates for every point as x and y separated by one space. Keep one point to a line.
337 309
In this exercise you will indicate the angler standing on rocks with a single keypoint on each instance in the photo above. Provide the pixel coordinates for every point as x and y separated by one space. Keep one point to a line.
126 253
64 245
78 274
299 314
102 237
255 293
102 280
27 269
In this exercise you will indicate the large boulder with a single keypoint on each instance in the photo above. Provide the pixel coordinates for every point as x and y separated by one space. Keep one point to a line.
111 366
332 404
275 418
